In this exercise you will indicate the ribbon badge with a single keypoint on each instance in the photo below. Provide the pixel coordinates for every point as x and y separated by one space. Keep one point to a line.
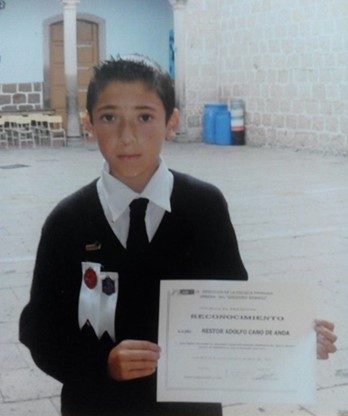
98 299
108 286
90 278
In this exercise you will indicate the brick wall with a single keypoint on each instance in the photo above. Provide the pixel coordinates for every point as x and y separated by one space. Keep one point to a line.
21 96
287 59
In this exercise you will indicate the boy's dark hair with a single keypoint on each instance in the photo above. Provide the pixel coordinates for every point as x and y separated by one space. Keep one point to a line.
134 68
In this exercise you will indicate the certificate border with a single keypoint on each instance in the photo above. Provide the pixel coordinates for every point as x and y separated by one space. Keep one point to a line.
168 289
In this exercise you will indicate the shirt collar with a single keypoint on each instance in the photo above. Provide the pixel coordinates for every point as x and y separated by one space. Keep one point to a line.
118 196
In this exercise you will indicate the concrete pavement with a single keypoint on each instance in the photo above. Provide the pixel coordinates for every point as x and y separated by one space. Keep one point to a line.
289 210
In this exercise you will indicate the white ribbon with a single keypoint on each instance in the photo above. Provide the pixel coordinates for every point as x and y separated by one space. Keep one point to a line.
96 306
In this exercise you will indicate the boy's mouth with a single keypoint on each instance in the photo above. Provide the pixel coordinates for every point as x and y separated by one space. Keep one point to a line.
129 157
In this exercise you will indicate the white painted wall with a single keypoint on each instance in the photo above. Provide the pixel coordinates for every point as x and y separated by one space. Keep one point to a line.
288 59
140 26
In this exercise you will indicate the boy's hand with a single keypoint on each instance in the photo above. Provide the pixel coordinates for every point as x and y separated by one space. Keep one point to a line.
132 359
325 338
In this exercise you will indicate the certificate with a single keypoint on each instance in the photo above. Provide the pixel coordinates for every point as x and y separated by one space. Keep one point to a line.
236 342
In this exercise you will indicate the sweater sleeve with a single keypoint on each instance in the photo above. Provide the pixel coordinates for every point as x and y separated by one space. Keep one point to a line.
220 252
49 324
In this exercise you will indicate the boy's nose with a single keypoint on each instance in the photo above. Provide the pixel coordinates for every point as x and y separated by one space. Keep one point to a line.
126 132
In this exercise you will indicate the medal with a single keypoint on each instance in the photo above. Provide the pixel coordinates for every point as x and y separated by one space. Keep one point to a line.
108 286
90 278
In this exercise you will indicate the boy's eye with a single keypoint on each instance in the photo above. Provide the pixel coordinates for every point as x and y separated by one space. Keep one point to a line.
145 118
108 117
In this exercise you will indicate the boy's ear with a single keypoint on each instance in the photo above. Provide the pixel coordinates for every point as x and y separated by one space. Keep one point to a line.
88 126
173 124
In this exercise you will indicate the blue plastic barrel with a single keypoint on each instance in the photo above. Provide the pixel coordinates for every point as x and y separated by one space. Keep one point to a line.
210 111
223 128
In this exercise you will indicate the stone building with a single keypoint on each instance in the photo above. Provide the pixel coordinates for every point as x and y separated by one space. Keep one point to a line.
48 48
287 59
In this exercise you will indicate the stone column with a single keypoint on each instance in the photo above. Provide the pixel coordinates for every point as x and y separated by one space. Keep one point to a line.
179 13
70 69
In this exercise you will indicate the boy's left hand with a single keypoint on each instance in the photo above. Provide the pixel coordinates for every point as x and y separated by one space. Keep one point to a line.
325 338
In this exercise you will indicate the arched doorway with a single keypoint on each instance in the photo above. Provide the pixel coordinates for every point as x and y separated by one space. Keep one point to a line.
90 50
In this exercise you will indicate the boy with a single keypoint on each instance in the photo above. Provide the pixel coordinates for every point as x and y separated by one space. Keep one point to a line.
95 329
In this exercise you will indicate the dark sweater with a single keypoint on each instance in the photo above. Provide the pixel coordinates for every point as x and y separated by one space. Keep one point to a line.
195 241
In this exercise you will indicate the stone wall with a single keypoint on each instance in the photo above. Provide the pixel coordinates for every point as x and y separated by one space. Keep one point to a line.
21 96
288 60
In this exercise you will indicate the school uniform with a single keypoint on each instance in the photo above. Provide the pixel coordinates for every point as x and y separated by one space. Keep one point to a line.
190 237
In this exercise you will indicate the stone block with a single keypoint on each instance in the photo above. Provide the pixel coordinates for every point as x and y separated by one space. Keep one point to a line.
19 98
281 136
270 134
266 119
25 87
256 120
37 86
305 91
291 91
332 124
278 120
301 139
283 76
304 122
298 106
10 88
5 99
273 105
285 106
318 123
319 92
34 98
25 107
291 121
312 107
338 106
325 108
9 108
193 121
276 91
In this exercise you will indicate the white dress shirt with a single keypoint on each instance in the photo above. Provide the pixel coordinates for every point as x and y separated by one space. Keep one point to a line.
115 198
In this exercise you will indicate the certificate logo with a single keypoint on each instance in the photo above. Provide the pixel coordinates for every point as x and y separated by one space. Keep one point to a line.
186 292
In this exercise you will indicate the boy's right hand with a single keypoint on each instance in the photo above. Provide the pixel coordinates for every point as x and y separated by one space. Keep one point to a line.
132 359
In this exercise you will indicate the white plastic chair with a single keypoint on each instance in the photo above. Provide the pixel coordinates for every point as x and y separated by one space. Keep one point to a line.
22 132
3 135
56 132
9 124
39 125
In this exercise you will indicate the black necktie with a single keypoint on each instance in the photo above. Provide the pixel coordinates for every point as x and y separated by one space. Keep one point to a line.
137 237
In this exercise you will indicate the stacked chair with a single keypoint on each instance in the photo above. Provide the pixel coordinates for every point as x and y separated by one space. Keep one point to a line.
49 130
22 132
31 130
17 130
3 134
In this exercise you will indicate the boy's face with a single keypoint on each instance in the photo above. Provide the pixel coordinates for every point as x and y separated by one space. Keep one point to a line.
129 122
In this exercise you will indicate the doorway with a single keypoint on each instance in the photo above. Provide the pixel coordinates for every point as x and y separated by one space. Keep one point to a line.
87 58
91 49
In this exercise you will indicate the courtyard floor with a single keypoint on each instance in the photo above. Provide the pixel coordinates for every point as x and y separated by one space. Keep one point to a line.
289 210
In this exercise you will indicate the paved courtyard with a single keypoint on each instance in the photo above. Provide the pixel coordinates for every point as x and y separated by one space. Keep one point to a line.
289 210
